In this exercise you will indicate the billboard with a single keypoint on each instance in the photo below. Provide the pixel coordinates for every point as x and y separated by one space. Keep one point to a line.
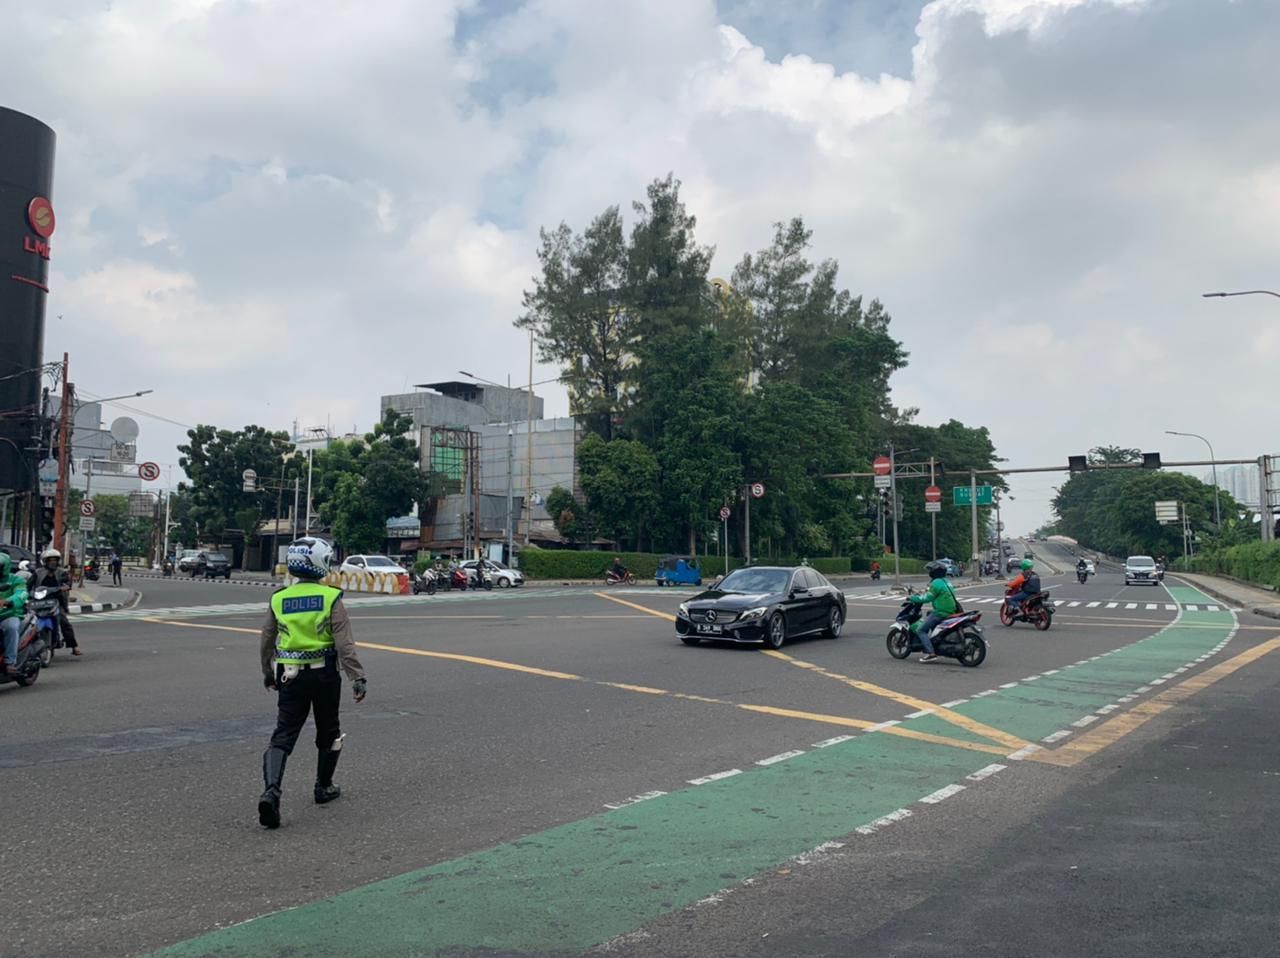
27 225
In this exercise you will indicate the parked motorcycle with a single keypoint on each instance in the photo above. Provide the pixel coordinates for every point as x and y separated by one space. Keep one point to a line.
33 655
1035 610
46 609
957 637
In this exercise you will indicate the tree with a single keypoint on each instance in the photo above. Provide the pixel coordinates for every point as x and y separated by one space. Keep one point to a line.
1113 455
569 515
577 311
215 460
365 482
117 530
620 485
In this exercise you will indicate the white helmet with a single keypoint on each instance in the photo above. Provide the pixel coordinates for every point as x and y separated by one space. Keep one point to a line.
309 558
50 553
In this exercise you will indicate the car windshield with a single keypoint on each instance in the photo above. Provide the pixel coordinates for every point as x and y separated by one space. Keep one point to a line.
1139 562
379 562
216 557
756 581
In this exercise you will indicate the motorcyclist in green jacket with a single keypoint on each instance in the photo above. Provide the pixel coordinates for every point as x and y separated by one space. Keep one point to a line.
13 603
943 599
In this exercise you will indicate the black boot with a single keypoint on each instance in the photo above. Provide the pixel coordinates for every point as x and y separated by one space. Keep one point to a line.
326 762
273 761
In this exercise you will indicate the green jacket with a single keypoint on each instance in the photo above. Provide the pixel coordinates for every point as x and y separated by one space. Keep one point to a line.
12 589
941 595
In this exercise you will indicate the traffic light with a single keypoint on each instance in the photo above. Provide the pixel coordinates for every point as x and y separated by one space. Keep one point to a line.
1077 463
1151 460
884 501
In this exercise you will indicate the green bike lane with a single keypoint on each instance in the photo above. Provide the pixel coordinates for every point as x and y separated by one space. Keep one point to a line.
586 882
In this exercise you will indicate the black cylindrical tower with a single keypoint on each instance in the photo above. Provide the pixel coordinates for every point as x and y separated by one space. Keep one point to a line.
26 227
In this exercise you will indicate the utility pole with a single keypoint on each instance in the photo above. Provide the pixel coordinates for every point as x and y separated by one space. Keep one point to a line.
973 508
1264 499
511 448
893 504
747 497
933 516
64 460
297 487
310 465
528 453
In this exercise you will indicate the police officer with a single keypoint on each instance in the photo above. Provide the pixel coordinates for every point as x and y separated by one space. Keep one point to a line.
305 639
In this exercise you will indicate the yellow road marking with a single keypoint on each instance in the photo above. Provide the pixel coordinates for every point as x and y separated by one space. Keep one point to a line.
955 718
640 608
198 625
820 718
1117 728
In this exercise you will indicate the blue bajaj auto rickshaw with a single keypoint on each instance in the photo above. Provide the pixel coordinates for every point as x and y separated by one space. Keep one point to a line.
678 570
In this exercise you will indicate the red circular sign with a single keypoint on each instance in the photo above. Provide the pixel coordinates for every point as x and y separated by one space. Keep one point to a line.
933 494
40 216
148 472
882 465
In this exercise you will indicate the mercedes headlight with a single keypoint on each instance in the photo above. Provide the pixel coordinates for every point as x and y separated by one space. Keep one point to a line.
755 613
683 610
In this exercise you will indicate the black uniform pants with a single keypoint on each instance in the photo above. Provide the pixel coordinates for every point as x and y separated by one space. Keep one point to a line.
318 689
68 633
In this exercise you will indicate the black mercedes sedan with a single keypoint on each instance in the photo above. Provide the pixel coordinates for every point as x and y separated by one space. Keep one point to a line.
768 604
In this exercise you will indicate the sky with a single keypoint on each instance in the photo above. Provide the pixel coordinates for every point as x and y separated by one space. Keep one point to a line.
279 210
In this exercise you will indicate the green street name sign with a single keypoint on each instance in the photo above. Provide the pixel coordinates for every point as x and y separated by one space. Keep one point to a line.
960 496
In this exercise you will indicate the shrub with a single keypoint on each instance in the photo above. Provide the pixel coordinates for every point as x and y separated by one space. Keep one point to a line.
1257 562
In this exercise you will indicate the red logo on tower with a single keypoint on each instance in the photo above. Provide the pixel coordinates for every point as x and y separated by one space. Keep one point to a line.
40 216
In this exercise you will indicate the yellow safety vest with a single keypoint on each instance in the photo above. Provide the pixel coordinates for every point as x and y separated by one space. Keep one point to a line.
304 633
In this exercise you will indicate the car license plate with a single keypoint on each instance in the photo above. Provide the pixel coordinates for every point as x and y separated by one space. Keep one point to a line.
710 629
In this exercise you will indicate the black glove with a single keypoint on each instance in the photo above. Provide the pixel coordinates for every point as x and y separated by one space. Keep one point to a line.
358 688
269 682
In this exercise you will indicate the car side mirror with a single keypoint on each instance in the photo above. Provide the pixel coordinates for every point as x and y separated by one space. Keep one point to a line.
799 590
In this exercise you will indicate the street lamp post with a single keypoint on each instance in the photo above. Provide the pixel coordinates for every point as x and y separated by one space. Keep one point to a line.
1217 505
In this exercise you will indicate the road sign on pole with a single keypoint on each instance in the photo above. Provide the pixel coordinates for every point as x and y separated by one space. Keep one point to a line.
933 507
1167 511
724 513
883 468
148 472
757 490
963 496
933 494
87 508
88 523
250 480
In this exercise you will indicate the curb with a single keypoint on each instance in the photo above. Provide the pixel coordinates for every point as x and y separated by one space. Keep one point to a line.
262 583
1268 611
87 608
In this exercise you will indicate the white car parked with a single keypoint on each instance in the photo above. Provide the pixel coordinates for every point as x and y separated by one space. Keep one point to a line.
503 577
363 563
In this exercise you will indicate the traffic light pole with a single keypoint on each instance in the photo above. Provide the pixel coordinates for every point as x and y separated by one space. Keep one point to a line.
973 512
933 516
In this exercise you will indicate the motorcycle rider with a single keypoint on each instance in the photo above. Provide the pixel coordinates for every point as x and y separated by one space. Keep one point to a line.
1082 566
1025 586
618 572
13 603
943 599
305 639
51 577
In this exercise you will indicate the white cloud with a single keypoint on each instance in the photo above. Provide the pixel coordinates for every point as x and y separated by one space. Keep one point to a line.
1039 202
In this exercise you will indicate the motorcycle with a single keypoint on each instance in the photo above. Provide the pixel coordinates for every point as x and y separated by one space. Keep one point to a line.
91 570
1035 610
33 655
458 579
426 582
46 608
875 575
167 568
484 579
957 637
612 578
1082 576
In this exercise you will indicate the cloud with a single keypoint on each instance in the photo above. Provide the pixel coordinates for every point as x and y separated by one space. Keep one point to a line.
254 194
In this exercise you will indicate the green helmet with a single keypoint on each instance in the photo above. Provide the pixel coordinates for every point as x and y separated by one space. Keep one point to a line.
1025 565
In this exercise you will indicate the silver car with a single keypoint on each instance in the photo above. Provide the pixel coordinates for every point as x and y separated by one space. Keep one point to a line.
1141 570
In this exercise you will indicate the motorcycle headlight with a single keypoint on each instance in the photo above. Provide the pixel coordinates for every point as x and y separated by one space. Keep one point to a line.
755 613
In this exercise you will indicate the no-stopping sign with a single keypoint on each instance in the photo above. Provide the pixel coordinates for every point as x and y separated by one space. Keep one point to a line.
148 472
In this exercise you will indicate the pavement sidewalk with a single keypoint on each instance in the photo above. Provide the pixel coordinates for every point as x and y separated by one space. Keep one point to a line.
1252 598
99 598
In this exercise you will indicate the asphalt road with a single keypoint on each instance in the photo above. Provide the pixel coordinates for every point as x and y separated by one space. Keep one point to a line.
549 772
